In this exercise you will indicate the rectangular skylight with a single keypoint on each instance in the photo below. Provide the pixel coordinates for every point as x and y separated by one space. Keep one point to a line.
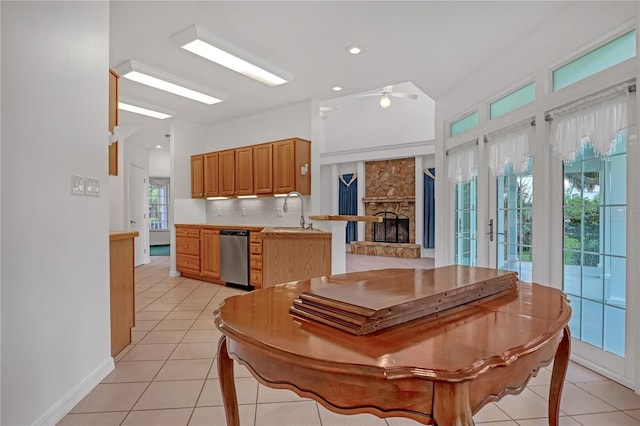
143 111
142 74
215 49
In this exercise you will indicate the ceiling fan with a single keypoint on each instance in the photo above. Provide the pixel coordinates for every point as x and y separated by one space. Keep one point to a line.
386 93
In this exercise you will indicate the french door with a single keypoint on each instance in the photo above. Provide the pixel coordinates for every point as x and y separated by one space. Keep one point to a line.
510 226
594 251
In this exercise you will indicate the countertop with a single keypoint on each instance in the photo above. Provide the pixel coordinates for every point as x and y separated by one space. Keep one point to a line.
267 231
123 235
293 232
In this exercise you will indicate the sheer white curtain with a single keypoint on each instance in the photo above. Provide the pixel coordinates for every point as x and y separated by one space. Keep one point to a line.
462 164
598 120
510 146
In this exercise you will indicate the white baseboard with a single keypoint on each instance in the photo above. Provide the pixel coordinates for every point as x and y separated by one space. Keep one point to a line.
60 409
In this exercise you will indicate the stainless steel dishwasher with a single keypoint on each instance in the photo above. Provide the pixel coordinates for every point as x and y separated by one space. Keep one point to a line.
234 256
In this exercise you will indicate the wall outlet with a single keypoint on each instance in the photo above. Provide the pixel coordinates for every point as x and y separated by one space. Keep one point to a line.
280 211
77 185
219 211
92 187
244 211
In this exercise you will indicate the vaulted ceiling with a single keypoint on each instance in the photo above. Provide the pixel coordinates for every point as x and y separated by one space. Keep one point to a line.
432 44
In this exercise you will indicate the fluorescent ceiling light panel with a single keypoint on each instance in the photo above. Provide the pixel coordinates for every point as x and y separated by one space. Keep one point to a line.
143 111
143 74
221 52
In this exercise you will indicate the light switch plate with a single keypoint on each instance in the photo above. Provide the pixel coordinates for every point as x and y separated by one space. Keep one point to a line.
92 187
77 185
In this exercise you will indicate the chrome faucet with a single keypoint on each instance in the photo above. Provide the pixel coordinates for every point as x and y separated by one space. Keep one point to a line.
285 208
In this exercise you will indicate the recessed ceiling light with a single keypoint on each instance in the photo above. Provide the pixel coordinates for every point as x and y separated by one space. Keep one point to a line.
142 111
158 146
355 50
337 88
143 74
215 49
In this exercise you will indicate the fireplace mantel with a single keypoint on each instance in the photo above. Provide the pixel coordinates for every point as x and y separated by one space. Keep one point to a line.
388 199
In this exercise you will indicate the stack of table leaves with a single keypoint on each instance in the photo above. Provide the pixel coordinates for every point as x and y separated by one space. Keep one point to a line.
362 307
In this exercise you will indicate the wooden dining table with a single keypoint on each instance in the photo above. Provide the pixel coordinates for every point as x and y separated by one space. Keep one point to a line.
435 370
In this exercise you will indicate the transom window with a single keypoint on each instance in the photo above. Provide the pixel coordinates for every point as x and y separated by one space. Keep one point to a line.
513 100
467 122
605 56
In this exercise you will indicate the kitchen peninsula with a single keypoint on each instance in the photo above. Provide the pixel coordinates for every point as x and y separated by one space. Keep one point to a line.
276 254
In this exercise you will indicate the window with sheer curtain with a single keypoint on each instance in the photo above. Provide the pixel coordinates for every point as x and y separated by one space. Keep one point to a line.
158 204
598 120
509 149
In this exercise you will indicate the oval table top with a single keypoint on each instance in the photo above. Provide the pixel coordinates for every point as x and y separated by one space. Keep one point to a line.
453 348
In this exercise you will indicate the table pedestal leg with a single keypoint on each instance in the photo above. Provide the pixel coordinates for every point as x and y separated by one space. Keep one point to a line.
560 364
227 384
451 404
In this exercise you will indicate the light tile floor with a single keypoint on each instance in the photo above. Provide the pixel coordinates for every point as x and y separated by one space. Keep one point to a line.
168 375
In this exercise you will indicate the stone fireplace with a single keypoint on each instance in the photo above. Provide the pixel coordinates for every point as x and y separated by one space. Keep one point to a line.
389 192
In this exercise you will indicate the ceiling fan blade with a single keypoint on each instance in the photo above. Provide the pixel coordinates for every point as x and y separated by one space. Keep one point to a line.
368 94
404 95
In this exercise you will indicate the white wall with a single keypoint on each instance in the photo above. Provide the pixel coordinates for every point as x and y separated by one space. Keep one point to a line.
276 124
55 274
360 123
160 163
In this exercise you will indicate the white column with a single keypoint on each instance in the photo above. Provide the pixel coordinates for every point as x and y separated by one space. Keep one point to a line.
338 249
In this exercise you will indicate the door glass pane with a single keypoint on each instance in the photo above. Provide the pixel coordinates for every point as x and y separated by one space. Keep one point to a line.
514 222
466 223
595 214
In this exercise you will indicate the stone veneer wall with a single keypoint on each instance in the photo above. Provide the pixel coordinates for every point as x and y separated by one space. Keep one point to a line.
390 186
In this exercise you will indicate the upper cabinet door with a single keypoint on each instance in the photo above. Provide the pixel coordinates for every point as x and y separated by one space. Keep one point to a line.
244 171
284 179
226 173
263 168
197 176
292 166
113 121
211 175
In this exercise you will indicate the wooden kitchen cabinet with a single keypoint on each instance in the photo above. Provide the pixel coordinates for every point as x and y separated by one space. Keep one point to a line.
188 250
255 259
197 176
292 166
263 169
113 121
244 171
226 174
269 168
210 253
122 289
211 174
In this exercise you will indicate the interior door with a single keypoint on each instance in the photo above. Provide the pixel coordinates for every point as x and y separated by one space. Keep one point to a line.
138 208
510 222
